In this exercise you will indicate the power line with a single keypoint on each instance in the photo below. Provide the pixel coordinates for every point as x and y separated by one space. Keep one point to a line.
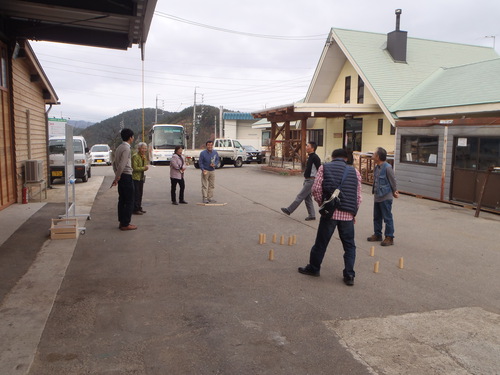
265 36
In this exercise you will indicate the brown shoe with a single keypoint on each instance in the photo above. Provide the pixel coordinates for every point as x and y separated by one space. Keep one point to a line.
129 227
374 238
388 241
137 212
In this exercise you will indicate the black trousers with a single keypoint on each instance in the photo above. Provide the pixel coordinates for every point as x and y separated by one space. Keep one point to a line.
138 189
125 199
173 184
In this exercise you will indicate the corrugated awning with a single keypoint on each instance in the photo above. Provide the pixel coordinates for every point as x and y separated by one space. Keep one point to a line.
97 23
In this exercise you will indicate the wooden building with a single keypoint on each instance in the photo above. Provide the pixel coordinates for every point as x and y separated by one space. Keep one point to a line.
25 91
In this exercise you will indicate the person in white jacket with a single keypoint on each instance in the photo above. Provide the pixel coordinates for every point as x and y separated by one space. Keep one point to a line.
177 168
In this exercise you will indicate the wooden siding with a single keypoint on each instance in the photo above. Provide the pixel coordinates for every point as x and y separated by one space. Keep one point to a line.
29 121
425 180
419 179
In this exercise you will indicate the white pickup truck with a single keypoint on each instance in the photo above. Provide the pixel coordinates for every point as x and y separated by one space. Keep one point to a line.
230 152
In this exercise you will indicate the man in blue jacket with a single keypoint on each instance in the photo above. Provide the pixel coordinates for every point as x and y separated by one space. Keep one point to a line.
209 158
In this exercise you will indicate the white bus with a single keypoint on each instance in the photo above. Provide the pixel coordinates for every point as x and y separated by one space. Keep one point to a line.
162 141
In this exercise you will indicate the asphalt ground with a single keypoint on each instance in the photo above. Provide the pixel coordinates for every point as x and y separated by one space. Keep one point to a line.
192 291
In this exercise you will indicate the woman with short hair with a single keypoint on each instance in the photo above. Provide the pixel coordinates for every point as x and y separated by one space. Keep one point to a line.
177 168
139 166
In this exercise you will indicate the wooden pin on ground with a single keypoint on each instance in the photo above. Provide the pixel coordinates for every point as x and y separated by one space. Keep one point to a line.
401 263
294 239
375 266
260 238
290 241
264 238
274 238
372 251
271 254
282 240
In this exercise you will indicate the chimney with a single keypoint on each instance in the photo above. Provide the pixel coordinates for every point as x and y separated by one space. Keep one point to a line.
396 41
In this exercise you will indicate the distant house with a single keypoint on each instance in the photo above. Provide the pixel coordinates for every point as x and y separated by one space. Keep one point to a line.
369 87
238 125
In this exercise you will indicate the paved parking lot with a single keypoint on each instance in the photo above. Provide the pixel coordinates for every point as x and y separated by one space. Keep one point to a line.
192 292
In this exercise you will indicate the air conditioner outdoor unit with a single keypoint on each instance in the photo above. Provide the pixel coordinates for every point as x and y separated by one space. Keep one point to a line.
33 170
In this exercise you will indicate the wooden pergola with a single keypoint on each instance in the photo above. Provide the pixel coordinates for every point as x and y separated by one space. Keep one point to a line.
293 147
296 147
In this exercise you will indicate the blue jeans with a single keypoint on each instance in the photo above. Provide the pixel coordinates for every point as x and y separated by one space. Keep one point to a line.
383 211
325 231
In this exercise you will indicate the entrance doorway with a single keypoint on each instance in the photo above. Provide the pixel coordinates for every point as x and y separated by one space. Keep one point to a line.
353 132
472 158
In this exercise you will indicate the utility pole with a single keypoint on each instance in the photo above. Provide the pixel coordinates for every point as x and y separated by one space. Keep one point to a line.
221 115
195 116
215 126
156 112
194 119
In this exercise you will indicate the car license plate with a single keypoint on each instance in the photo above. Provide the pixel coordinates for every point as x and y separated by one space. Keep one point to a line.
100 161
57 173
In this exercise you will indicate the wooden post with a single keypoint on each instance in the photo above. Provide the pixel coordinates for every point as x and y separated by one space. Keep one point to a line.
303 136
271 254
479 203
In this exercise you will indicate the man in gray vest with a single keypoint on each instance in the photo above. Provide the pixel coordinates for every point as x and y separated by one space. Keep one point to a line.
329 178
383 189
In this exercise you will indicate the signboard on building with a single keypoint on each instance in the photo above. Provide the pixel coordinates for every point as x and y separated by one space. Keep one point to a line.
57 127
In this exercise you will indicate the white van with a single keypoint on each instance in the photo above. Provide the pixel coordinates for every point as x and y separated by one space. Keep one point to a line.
57 146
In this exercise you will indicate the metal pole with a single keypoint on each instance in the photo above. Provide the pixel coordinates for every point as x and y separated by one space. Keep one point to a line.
221 115
194 118
156 111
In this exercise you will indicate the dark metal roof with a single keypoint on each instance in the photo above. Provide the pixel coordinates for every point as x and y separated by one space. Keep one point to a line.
98 23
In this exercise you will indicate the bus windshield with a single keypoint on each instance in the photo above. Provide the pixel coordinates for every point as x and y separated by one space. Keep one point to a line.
164 137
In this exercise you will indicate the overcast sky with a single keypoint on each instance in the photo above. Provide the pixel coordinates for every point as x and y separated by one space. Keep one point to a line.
244 56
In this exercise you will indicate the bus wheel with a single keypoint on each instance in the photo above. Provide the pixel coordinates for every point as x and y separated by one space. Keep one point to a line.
196 165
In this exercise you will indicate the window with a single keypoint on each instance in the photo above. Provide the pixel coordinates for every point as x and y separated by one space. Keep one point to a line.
422 150
347 92
361 90
393 130
477 153
315 136
380 129
266 138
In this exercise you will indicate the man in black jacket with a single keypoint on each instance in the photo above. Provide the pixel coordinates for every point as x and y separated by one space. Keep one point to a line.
313 164
328 179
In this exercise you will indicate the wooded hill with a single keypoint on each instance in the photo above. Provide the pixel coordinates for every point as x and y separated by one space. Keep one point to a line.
108 131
